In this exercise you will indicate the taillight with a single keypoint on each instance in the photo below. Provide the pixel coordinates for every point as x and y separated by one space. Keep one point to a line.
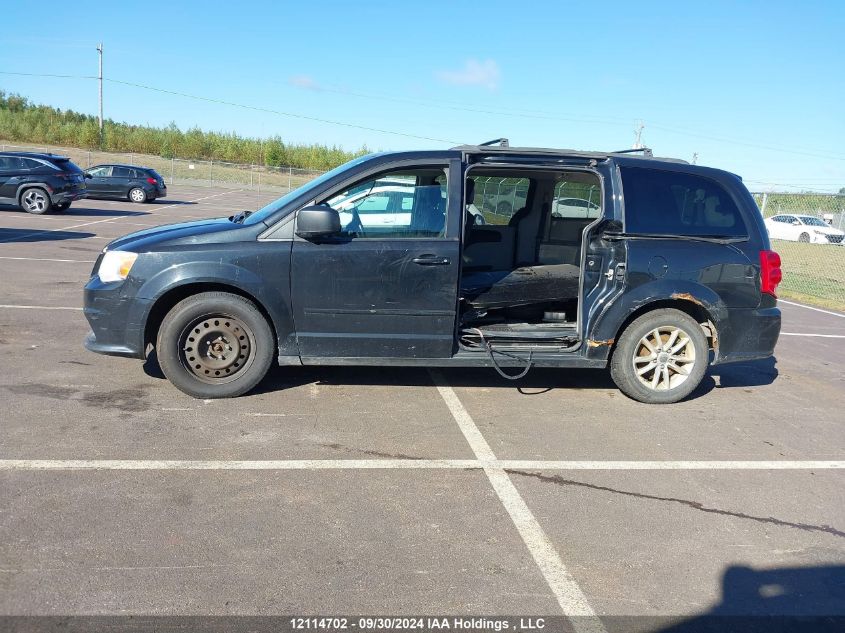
152 181
770 273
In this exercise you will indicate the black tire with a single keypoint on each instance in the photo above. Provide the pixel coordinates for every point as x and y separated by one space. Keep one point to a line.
136 194
804 237
629 353
35 200
236 341
62 206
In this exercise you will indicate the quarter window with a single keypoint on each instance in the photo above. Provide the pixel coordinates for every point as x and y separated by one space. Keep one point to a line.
673 203
402 204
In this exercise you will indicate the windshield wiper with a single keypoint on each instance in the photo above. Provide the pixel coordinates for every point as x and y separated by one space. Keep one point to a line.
238 218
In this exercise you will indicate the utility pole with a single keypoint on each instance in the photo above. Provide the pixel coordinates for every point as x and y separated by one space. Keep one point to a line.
639 131
100 76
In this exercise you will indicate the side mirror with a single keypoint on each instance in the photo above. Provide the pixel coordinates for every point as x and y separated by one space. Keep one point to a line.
796 223
88 176
317 221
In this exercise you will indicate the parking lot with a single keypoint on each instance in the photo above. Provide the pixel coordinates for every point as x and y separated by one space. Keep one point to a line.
399 491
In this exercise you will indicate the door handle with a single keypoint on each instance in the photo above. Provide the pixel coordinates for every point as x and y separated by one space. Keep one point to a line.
431 260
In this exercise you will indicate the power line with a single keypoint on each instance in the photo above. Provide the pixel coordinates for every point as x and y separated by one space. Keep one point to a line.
281 113
243 106
518 114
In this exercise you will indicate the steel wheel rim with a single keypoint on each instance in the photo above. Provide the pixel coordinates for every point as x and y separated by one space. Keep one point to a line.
664 358
217 348
35 200
137 195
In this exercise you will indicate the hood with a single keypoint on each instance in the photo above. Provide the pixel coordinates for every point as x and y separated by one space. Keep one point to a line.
196 232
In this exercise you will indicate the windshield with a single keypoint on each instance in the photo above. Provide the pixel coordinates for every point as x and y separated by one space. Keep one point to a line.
314 185
811 221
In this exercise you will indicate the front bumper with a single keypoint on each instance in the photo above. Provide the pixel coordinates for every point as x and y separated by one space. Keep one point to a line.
113 312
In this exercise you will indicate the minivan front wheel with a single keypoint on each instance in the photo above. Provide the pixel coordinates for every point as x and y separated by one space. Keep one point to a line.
661 357
215 345
137 195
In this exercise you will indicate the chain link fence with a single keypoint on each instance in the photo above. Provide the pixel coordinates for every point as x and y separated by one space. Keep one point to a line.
210 173
813 263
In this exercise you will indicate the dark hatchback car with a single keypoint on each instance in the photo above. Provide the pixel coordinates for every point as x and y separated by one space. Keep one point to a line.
668 270
39 183
138 184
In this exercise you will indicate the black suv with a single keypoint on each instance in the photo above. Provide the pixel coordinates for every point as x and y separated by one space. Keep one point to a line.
38 183
654 267
138 184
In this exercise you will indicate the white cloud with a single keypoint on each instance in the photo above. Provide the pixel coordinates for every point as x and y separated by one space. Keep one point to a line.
305 82
484 73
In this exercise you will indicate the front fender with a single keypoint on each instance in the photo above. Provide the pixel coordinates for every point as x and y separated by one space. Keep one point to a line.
607 324
273 298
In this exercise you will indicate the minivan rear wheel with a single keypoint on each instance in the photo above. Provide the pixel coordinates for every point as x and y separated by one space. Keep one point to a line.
215 345
661 357
137 195
36 201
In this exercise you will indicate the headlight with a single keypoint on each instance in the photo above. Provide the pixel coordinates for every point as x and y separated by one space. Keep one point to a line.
116 265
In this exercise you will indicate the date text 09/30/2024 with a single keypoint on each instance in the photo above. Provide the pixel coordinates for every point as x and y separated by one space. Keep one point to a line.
421 623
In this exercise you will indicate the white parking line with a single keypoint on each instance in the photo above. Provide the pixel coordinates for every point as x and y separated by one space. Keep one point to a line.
569 595
818 335
413 464
801 305
16 307
44 259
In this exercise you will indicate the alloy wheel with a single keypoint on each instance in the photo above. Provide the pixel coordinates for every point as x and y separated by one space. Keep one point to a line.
35 200
664 358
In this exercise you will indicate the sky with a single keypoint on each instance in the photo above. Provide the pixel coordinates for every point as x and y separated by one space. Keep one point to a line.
757 88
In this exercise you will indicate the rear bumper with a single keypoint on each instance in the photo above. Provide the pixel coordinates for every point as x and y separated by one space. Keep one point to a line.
58 197
748 335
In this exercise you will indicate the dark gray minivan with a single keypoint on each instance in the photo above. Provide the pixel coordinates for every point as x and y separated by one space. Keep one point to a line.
653 267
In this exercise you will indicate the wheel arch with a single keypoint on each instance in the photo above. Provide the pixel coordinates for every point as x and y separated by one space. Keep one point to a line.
700 302
32 185
166 301
687 305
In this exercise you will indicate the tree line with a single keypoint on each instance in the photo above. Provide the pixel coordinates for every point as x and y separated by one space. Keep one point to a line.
24 121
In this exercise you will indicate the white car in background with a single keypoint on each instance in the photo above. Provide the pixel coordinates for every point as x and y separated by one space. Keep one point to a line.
574 208
802 228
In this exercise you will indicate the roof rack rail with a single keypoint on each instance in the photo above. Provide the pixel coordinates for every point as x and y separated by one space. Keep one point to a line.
645 150
501 142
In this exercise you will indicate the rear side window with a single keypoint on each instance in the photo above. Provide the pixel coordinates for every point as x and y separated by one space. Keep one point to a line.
11 163
122 172
673 203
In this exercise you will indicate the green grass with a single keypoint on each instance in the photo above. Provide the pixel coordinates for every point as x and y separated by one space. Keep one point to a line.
812 273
